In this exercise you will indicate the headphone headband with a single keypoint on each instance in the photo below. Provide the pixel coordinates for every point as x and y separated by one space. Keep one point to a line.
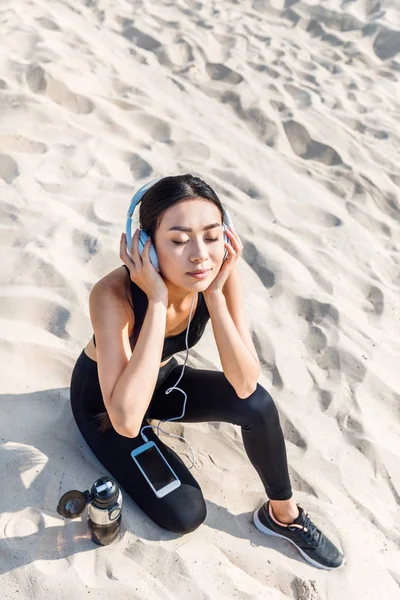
139 195
227 221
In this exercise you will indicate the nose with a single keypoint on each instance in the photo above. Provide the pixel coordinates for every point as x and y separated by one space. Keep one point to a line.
199 252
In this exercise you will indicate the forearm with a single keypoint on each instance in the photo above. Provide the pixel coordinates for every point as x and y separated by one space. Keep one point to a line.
239 366
134 389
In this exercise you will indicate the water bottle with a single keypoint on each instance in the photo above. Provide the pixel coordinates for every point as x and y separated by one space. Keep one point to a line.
104 511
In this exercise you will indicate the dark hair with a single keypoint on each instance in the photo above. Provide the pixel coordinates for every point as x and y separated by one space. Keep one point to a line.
169 191
158 198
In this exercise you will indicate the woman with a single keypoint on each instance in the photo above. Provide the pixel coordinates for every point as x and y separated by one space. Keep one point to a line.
139 318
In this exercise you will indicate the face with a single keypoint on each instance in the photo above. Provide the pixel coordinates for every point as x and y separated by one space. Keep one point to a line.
184 245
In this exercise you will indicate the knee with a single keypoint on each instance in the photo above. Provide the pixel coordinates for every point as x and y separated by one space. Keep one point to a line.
185 518
260 407
186 521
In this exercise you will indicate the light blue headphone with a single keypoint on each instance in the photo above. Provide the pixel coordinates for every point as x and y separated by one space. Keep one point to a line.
226 222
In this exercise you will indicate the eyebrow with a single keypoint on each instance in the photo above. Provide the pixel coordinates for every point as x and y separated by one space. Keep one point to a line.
180 228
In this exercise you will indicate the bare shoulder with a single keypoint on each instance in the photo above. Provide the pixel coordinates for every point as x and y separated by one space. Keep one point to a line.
108 299
113 281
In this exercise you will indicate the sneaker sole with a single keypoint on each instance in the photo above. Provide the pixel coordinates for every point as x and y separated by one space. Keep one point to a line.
264 529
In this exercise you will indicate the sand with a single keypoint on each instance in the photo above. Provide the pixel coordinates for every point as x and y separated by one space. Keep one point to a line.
290 110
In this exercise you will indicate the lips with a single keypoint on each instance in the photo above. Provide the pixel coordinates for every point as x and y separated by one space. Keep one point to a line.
200 274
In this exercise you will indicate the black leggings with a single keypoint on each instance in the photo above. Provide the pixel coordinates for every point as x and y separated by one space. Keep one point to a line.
210 397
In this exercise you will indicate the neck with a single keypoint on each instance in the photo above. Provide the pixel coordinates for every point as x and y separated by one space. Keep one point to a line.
179 298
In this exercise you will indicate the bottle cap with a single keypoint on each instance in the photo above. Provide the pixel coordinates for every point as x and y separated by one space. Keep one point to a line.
104 492
72 503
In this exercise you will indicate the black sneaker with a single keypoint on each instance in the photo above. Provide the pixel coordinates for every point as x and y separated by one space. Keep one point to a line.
312 544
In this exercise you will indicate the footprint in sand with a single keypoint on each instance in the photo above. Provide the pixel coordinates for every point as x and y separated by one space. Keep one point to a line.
48 24
265 129
325 399
36 79
291 432
140 39
10 221
395 177
387 44
158 129
219 72
277 382
306 590
353 369
316 30
48 314
329 361
8 168
376 299
41 82
305 147
262 68
385 200
179 54
316 312
255 260
300 484
25 523
239 181
87 246
316 340
139 167
354 426
268 366
291 15
301 97
57 322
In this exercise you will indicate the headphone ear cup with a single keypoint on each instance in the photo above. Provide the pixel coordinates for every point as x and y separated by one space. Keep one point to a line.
152 252
226 239
227 222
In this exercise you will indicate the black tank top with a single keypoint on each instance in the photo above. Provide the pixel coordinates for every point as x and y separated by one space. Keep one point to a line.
172 343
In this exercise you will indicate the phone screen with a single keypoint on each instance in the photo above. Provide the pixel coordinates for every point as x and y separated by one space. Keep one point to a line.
155 468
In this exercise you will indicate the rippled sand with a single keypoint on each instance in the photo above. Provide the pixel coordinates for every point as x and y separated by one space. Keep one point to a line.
290 110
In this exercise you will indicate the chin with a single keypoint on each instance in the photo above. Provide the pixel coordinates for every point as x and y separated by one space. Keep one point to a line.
198 284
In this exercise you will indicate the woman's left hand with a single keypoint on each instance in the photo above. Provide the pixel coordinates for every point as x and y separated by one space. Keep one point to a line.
235 249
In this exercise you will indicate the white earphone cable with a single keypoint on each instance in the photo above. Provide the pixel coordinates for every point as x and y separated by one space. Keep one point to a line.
169 390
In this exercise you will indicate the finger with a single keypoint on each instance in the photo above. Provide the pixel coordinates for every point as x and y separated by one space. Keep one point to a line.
124 253
232 244
233 255
123 244
146 249
135 252
232 234
231 251
234 238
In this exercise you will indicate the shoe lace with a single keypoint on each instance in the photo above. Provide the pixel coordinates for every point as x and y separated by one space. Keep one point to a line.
310 532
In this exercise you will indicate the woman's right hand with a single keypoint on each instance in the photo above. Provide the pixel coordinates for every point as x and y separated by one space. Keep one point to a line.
141 270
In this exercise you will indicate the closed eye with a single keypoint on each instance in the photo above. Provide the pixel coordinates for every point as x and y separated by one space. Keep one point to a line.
211 240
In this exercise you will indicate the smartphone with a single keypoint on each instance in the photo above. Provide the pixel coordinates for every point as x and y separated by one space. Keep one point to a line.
155 469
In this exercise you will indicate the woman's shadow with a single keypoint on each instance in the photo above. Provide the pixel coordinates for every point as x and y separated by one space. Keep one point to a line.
43 455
